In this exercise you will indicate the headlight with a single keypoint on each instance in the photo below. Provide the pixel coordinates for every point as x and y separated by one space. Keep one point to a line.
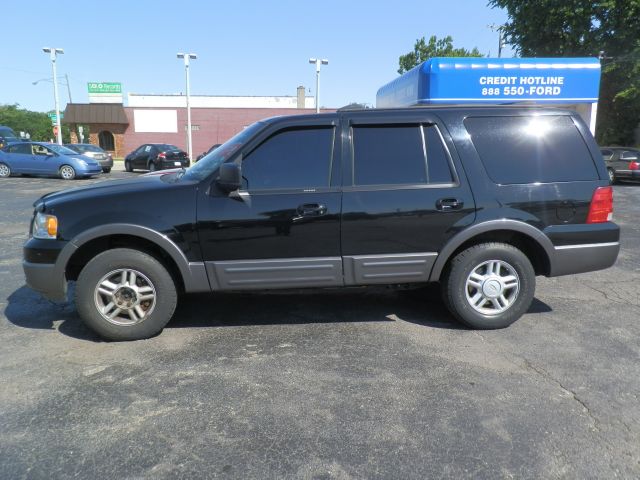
45 226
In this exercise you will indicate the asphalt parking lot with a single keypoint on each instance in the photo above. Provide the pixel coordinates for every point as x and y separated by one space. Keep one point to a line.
363 383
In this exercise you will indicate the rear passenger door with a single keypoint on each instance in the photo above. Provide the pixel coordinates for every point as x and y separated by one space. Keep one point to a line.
404 195
21 158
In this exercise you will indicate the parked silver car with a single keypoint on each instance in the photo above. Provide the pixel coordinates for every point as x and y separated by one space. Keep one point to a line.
93 151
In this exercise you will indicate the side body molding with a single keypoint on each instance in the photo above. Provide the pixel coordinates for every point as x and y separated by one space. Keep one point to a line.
488 226
194 274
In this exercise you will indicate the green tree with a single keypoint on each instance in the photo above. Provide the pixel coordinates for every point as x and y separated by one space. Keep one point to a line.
37 124
610 29
434 48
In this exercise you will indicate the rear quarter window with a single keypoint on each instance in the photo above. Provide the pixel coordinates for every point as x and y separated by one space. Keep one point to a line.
530 149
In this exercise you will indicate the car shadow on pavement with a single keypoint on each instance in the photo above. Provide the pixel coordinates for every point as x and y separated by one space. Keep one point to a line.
422 306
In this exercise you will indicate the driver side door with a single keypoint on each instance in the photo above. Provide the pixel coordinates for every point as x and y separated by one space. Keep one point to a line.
282 228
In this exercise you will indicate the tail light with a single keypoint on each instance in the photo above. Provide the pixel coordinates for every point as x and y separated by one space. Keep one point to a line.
601 208
162 155
634 165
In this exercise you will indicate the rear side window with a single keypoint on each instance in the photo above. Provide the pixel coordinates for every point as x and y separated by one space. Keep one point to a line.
20 148
294 158
530 149
399 155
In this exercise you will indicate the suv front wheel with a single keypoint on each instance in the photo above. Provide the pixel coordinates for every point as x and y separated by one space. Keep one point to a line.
489 286
125 294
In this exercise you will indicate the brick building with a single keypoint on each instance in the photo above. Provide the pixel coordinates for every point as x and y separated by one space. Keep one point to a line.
120 129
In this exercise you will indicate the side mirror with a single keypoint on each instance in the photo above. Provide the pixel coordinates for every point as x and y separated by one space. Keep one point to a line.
229 177
49 154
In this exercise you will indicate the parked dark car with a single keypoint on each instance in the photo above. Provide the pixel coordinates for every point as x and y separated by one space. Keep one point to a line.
623 163
7 136
480 199
156 156
93 151
47 159
211 149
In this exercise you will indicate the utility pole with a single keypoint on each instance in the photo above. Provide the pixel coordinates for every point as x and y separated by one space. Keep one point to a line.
318 62
53 54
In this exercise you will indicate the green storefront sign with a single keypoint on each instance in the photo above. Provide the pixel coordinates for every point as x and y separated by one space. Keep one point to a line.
104 87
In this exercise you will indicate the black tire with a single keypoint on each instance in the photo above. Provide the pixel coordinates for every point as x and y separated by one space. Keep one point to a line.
67 172
612 176
456 292
149 272
106 170
5 170
127 166
152 167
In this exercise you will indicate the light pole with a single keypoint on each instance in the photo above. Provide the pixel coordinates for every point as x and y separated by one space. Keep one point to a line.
187 57
318 62
66 77
53 53
498 28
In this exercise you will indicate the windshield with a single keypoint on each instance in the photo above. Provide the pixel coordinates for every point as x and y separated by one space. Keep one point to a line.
60 149
8 134
211 161
85 148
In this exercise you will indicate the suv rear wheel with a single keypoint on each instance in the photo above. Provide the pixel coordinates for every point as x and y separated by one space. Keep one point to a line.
489 286
125 294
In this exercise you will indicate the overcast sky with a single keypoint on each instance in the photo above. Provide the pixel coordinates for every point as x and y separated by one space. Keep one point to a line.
243 47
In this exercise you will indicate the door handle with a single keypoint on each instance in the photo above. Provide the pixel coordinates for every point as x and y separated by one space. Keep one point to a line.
446 204
311 210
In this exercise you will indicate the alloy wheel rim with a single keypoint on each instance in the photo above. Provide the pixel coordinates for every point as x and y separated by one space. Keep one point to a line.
125 297
492 287
66 172
611 175
4 171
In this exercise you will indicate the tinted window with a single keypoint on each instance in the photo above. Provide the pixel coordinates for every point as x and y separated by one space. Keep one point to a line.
531 149
629 155
437 157
298 158
399 154
20 148
607 153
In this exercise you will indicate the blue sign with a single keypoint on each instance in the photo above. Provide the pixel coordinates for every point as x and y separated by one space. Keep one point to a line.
494 80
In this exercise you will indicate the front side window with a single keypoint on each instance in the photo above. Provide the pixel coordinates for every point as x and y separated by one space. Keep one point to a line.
292 158
399 155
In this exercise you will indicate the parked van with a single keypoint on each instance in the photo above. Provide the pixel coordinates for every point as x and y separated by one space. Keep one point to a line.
7 136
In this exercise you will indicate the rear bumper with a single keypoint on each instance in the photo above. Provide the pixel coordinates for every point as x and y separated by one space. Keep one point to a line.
569 259
165 164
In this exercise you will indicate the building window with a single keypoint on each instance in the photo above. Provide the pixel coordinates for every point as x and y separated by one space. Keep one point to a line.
105 139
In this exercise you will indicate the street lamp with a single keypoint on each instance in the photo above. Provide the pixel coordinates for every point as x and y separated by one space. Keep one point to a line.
187 57
53 53
318 62
499 29
66 78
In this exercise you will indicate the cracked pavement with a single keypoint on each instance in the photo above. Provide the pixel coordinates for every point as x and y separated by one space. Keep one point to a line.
360 383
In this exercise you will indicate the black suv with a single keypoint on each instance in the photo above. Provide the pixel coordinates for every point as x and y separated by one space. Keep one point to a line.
480 199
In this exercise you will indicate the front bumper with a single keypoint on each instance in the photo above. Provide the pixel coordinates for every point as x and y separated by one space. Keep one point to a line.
44 263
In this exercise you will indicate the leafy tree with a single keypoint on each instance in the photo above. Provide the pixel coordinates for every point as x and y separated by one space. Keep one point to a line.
37 124
435 48
609 28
